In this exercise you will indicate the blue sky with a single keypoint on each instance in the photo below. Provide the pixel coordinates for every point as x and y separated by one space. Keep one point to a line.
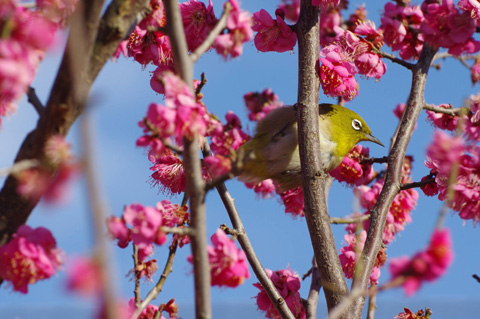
122 93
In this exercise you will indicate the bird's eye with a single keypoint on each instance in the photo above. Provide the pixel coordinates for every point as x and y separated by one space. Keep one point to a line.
356 124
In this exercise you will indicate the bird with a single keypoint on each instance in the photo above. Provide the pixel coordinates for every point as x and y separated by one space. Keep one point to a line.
273 150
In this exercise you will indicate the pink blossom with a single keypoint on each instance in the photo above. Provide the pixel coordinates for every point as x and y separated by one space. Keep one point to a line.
444 26
229 137
31 255
291 8
357 18
156 82
265 188
173 215
398 21
475 72
228 264
169 174
293 201
430 189
83 276
119 231
217 165
351 170
57 150
145 269
330 22
337 76
273 35
443 121
370 65
288 285
198 22
147 313
426 265
472 7
145 224
350 253
261 103
239 31
445 150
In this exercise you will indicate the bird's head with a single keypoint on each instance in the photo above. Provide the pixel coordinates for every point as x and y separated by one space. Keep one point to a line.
346 128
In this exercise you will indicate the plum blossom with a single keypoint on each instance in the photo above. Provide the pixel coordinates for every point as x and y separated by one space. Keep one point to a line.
228 264
398 21
293 201
350 253
198 22
326 4
472 7
264 188
31 255
169 174
337 76
119 231
475 72
145 224
288 285
352 171
330 22
408 314
426 265
228 137
260 104
83 276
444 26
217 165
273 35
291 8
239 31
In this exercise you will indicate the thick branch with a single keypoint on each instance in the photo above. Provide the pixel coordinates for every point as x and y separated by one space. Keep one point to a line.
391 187
314 179
69 92
193 170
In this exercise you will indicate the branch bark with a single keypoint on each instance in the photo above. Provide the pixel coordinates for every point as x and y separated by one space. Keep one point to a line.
193 170
314 179
392 184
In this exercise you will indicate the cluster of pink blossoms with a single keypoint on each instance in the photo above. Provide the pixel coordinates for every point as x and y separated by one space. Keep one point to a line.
141 225
150 310
26 35
288 285
259 104
148 45
427 265
352 170
445 152
398 216
228 264
273 35
31 255
352 53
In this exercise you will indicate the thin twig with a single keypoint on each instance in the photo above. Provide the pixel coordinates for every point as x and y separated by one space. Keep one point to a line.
450 111
136 273
272 292
476 277
372 306
428 180
203 81
372 160
182 231
394 59
35 101
353 220
207 43
311 302
161 281
98 209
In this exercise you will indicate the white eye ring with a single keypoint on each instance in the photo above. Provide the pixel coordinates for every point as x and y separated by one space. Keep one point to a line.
356 124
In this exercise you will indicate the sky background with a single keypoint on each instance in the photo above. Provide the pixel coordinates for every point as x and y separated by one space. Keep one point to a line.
122 94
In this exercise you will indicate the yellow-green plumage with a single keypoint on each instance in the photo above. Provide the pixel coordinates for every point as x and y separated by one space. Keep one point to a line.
273 151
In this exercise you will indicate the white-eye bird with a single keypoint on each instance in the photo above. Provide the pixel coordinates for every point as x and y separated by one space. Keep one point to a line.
273 151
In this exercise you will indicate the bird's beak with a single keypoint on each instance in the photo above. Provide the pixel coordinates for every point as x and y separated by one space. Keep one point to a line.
371 138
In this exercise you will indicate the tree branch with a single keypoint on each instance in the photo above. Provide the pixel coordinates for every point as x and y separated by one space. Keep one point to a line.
391 187
451 111
193 170
35 101
311 302
247 247
314 178
394 59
